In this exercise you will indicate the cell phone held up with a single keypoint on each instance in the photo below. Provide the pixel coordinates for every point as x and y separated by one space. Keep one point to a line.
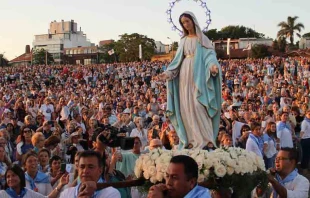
63 167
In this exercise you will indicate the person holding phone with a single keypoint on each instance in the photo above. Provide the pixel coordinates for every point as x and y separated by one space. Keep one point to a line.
55 170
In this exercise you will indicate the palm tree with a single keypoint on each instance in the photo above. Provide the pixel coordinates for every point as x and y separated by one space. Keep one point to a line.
289 28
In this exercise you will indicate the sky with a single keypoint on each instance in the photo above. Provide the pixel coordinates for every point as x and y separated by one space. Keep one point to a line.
20 20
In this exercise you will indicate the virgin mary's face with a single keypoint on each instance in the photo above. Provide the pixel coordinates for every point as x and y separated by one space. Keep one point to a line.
187 23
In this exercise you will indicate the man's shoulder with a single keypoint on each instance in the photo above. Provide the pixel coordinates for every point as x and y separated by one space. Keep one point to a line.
302 179
67 192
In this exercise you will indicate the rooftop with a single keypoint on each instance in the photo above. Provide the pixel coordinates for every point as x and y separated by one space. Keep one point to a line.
26 57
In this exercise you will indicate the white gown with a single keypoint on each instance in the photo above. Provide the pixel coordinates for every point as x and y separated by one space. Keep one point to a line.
197 122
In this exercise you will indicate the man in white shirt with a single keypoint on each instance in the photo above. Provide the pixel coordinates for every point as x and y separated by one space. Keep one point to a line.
305 142
90 170
255 142
284 132
285 180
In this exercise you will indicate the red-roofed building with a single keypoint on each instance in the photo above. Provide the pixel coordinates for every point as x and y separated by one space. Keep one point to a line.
105 42
24 59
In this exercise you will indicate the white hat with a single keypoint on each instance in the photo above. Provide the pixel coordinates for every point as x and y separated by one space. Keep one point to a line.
74 134
126 111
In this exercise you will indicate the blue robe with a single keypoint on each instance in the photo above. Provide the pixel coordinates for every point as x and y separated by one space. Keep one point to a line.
209 89
198 192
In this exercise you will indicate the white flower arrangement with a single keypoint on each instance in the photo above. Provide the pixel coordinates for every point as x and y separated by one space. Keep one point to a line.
222 164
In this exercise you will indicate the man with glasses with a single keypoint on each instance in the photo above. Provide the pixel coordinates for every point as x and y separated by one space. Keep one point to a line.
284 179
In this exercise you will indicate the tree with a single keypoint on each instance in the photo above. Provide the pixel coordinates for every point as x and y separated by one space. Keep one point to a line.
175 46
275 45
289 28
3 60
282 43
260 51
39 57
233 32
213 34
104 56
306 35
131 44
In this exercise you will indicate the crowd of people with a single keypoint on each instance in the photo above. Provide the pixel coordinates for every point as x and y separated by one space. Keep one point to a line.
61 125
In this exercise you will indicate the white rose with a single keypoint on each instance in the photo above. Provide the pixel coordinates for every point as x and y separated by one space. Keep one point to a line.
155 156
207 164
220 170
149 163
164 168
201 178
153 180
137 172
159 176
151 170
146 175
206 173
230 170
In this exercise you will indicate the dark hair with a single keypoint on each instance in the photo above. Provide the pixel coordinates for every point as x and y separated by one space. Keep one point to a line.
191 18
22 132
45 150
54 158
190 165
292 153
254 125
19 172
95 154
51 141
269 132
29 154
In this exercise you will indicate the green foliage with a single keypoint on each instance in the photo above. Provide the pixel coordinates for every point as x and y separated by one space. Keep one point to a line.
289 28
40 55
275 45
131 42
282 43
306 35
104 57
3 61
233 32
260 51
175 46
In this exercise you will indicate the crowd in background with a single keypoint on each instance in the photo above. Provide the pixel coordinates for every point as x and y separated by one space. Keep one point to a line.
50 115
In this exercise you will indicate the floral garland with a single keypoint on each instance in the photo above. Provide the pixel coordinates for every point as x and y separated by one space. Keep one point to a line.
223 168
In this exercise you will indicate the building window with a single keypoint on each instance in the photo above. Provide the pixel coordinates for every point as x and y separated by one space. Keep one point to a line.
87 61
67 51
85 51
74 51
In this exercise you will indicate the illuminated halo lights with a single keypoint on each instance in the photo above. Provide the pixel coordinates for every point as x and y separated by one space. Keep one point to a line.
202 4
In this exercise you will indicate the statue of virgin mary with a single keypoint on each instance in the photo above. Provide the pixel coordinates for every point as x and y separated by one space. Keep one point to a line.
194 87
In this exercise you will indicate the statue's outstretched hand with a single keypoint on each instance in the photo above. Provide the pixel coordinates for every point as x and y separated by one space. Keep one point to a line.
162 77
214 70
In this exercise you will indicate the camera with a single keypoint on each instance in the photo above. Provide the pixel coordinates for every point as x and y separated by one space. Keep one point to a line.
114 137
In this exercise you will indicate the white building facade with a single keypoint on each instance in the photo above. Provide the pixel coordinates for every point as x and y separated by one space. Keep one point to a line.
243 42
304 43
161 48
61 35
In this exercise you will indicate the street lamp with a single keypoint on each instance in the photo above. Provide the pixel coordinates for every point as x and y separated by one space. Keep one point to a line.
171 46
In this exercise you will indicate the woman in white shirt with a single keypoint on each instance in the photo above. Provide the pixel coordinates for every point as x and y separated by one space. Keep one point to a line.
271 144
139 131
15 186
35 179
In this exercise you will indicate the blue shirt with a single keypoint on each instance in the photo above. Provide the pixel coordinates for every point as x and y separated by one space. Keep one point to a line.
198 192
